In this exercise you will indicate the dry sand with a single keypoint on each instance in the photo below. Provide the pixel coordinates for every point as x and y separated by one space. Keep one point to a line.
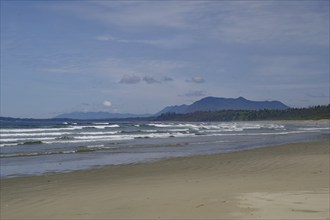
282 182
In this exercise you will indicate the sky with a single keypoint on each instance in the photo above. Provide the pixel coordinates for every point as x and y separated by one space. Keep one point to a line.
141 56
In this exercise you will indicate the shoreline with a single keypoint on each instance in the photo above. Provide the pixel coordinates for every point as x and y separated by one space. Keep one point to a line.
95 151
228 186
159 160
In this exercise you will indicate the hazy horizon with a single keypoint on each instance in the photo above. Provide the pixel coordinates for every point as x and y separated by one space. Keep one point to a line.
141 56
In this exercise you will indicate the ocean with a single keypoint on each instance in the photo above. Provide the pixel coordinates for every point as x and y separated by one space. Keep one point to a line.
39 147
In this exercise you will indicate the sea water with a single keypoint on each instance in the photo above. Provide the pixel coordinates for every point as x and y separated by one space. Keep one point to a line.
37 147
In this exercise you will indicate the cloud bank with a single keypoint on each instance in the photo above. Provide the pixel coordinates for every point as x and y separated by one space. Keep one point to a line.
196 79
130 79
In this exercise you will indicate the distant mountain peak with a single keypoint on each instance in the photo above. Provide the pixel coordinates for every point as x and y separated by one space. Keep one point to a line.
218 103
241 98
97 115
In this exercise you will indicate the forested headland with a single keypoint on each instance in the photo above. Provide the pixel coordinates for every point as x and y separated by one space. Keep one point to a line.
310 113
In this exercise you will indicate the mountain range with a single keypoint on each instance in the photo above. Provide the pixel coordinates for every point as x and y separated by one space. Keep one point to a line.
205 104
98 115
215 104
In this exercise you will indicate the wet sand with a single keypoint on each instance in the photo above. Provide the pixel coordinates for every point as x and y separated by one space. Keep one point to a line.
281 182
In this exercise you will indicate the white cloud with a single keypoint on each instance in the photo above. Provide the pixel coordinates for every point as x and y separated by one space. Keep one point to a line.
107 104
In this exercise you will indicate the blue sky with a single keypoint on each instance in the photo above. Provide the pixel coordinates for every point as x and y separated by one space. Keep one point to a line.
140 56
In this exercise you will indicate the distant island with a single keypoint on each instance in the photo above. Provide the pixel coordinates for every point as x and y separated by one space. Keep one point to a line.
98 115
216 104
240 109
206 109
205 104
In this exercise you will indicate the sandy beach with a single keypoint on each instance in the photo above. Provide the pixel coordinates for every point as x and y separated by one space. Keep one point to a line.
282 182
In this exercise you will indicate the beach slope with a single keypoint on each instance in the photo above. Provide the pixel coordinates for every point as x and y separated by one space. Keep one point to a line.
281 182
